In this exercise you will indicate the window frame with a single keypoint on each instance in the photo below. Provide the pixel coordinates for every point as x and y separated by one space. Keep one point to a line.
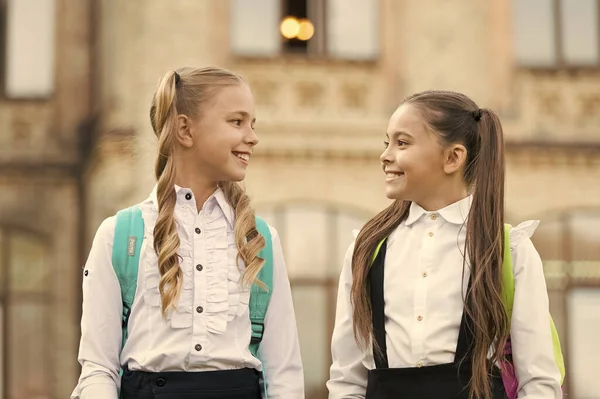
327 284
25 99
561 63
8 297
317 50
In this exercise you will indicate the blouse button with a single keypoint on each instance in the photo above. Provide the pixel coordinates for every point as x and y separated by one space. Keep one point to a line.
424 274
199 309
188 196
433 216
199 267
420 318
198 347
430 234
419 365
198 230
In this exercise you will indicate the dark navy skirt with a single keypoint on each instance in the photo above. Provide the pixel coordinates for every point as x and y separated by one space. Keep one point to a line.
225 384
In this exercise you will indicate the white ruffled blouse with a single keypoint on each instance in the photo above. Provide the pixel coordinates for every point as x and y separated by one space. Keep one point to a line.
210 327
216 250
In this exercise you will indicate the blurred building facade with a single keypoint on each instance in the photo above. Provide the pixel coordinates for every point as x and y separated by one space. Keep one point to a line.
45 105
77 145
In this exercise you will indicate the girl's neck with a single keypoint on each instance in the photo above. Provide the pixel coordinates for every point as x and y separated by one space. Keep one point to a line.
442 198
188 176
202 187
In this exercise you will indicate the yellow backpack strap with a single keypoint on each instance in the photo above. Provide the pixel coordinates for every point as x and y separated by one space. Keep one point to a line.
377 249
558 356
508 297
508 277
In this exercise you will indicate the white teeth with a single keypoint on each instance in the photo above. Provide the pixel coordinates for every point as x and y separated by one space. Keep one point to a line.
391 175
245 157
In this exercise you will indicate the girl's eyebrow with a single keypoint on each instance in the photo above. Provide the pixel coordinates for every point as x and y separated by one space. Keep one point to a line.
398 133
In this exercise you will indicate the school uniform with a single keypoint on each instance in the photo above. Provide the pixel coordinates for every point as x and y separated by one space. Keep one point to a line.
201 349
417 289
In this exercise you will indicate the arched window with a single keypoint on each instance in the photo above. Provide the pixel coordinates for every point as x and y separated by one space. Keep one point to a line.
569 244
314 237
25 301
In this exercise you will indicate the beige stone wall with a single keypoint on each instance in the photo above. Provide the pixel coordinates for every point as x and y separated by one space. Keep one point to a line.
39 165
321 124
47 206
536 185
321 121
552 182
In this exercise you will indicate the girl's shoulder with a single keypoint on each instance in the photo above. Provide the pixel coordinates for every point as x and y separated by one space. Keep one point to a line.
522 233
106 230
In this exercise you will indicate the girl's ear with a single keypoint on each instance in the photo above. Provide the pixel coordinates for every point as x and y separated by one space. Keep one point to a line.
455 157
184 135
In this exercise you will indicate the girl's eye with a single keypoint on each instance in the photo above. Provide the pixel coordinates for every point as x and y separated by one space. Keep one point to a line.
237 122
400 143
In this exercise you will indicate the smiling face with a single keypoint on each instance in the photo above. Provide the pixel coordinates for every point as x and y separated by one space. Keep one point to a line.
414 159
219 141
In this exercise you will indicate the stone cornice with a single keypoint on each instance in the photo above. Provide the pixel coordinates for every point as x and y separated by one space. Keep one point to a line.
333 142
363 139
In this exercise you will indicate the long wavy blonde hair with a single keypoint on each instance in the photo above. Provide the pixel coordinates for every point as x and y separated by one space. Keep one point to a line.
184 91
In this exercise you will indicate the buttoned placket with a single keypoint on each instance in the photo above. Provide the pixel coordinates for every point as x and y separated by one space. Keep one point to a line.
431 222
198 260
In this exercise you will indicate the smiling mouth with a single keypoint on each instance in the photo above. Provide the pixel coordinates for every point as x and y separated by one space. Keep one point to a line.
244 156
393 175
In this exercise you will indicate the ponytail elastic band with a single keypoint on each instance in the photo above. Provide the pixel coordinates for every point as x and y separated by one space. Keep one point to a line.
477 114
177 78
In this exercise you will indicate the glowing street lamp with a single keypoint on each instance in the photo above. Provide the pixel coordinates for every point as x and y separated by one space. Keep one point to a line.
292 28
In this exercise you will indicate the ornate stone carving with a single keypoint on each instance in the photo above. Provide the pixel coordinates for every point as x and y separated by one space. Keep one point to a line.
319 88
550 104
354 95
310 94
588 112
21 130
567 105
265 92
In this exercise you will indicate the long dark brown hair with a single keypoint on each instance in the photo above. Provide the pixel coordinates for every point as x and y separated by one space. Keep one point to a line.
455 118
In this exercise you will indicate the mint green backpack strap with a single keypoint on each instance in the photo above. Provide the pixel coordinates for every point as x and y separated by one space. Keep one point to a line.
260 297
129 233
508 297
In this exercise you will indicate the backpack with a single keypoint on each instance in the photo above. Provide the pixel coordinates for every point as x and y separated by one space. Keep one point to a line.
129 234
509 377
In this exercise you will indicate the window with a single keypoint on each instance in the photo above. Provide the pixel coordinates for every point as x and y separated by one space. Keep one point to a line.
353 29
584 323
254 27
29 48
345 29
25 370
324 232
303 26
568 245
557 33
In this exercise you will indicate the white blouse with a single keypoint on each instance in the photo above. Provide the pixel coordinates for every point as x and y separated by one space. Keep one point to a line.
424 305
209 329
